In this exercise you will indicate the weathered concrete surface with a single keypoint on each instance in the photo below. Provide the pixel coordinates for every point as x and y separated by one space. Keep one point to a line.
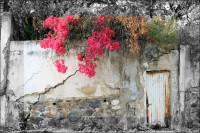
189 77
6 31
190 87
33 70
114 96
113 100
192 109
119 79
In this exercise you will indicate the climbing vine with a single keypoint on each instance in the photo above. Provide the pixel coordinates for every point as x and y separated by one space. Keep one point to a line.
137 28
99 41
103 33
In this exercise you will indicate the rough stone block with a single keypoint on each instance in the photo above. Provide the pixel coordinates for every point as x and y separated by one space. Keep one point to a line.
94 103
115 102
74 116
35 120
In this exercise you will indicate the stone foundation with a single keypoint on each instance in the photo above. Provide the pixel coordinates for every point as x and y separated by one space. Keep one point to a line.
192 108
97 114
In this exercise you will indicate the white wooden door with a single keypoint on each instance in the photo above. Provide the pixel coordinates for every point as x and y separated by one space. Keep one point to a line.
157 89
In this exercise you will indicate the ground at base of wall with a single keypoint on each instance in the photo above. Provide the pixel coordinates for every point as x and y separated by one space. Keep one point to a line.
164 130
98 132
67 131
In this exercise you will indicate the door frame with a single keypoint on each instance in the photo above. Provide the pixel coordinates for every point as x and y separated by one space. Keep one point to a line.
167 116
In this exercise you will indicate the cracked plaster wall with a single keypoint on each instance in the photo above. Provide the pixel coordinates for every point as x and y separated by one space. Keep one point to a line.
31 70
119 81
118 87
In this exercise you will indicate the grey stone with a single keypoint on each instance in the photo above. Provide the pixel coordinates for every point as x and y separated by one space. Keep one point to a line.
88 122
74 117
99 125
54 122
42 109
83 105
89 112
194 105
30 126
94 103
42 115
35 120
114 120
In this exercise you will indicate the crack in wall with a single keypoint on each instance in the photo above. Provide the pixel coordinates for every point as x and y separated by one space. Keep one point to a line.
29 79
39 96
110 87
50 88
161 55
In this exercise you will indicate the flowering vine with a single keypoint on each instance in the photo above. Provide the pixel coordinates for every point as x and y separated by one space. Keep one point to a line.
98 42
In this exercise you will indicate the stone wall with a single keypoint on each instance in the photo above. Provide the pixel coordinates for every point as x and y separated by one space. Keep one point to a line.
191 103
35 96
189 77
97 114
192 109
33 80
115 96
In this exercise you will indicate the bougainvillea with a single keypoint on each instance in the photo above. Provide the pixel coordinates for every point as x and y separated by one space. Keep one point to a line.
60 27
99 41
60 64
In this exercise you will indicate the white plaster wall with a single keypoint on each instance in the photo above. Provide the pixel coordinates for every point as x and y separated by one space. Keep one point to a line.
31 70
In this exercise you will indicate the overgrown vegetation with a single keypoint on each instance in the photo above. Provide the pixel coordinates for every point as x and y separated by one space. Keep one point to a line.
23 9
129 29
32 29
162 32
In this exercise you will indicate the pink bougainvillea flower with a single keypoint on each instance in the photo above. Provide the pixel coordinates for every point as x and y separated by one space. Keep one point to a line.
75 22
98 42
49 34
50 22
115 46
80 57
100 20
88 69
60 64
109 32
69 19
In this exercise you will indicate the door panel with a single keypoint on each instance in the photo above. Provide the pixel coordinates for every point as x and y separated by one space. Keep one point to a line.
157 88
